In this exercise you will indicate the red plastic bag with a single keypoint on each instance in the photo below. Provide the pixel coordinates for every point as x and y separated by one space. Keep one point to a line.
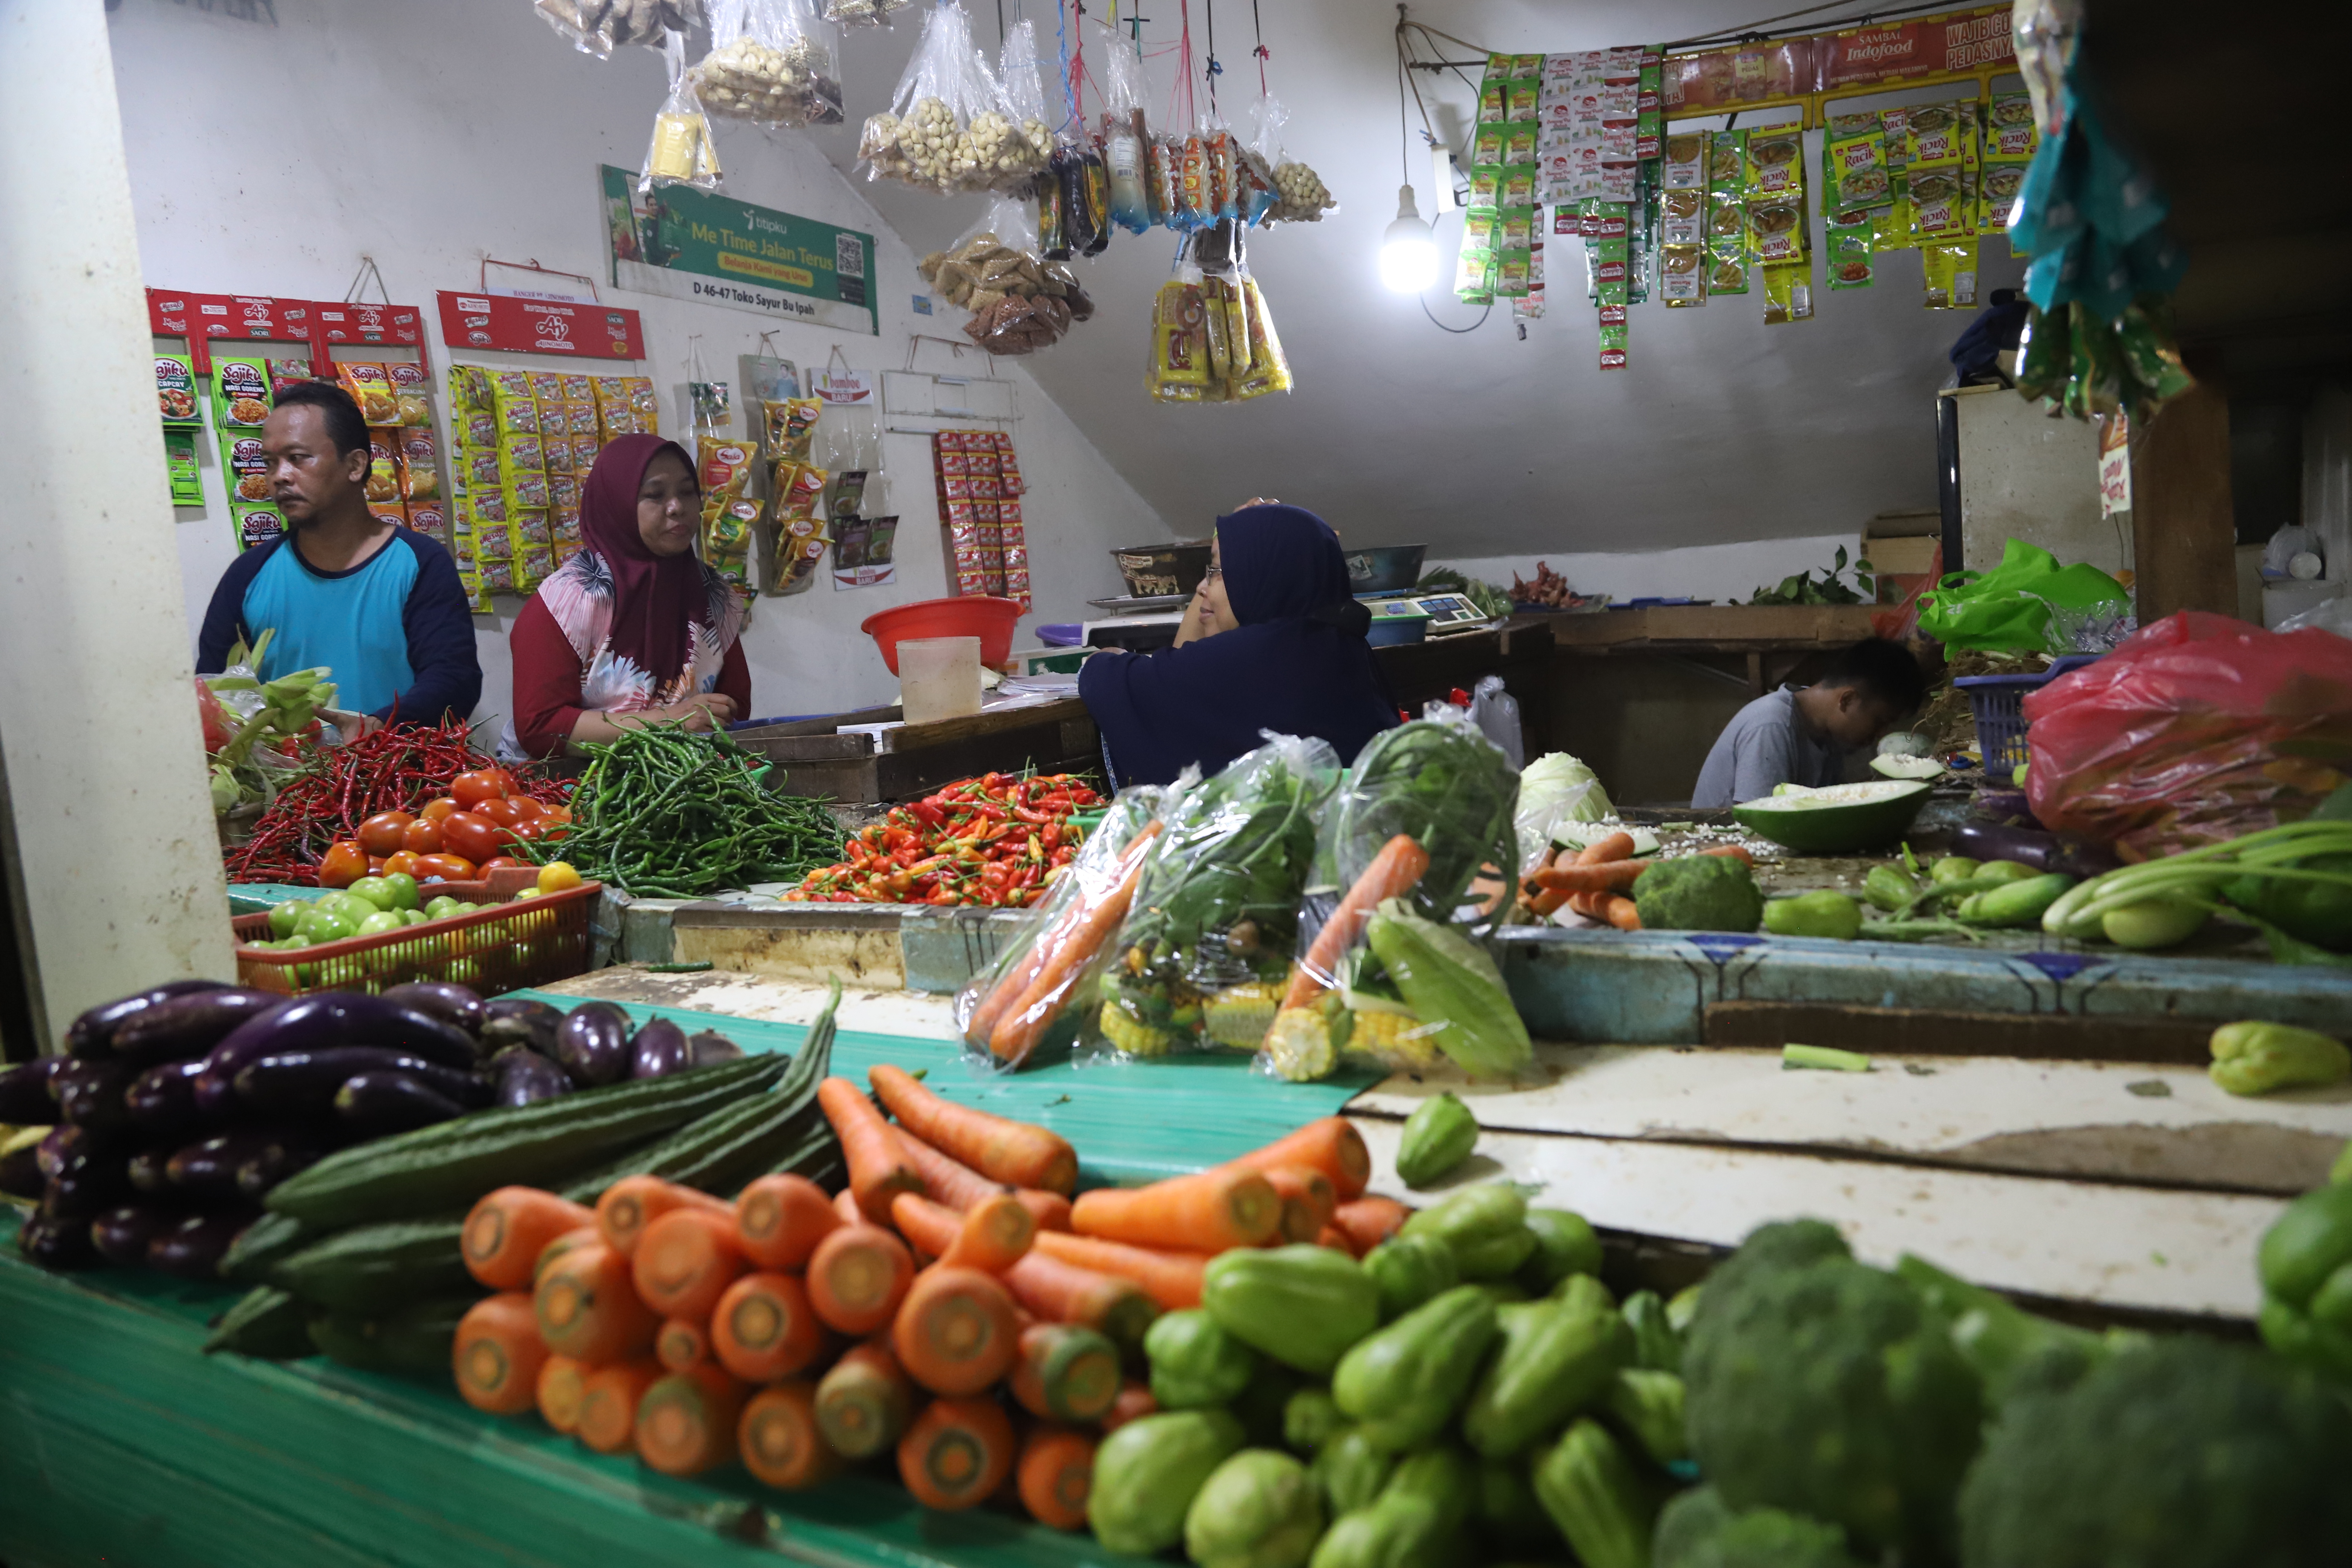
2196 729
1899 622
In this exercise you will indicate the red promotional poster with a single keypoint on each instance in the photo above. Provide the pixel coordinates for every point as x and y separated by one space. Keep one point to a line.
1741 75
1927 46
572 329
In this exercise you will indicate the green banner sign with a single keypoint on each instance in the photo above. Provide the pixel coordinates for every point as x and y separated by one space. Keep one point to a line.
691 245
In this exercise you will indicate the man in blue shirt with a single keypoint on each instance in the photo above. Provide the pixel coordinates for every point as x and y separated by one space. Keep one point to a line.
379 604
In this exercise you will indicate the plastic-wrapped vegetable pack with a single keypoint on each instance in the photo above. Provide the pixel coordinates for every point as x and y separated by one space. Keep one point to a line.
1018 301
1205 950
771 62
947 128
1044 982
599 27
680 152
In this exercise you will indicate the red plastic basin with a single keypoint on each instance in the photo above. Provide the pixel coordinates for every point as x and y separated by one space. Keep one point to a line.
978 615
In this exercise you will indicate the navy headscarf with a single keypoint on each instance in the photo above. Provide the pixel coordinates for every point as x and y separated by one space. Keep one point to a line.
1296 664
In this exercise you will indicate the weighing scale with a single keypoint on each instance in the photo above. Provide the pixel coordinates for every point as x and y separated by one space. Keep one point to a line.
1450 615
1135 625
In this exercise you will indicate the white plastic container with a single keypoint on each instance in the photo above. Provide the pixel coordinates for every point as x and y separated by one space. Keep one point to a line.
939 677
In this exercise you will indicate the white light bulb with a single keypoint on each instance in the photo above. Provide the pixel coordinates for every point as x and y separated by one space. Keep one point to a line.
1408 250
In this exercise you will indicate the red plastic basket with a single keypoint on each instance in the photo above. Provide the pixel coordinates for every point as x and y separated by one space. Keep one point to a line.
503 948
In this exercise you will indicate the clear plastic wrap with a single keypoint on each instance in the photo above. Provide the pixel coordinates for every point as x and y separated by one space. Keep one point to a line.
1020 302
946 129
1178 368
1123 135
863 13
1204 954
680 152
1298 194
599 27
1025 153
1037 991
771 62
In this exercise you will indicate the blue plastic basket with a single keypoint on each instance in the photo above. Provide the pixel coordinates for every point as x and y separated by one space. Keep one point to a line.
1999 701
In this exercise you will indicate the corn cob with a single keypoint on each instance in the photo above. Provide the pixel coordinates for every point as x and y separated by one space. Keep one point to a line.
1239 1015
1135 1039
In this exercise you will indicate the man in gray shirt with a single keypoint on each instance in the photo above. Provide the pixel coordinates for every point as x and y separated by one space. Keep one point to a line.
1803 736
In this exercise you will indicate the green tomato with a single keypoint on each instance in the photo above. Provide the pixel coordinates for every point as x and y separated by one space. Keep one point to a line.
296 939
404 890
468 909
463 970
414 917
324 924
444 905
285 914
376 890
349 905
2153 924
382 920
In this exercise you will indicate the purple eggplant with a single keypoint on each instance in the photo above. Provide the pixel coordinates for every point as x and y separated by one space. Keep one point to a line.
162 1099
391 1102
70 1150
337 1018
301 1083
89 1094
516 1021
55 1242
711 1046
2031 847
279 1159
92 1033
458 1005
524 1076
150 1169
191 1250
207 1170
20 1172
121 1235
592 1043
25 1097
185 1026
91 1190
658 1049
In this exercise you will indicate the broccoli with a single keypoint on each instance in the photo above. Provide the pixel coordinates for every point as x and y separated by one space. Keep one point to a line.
1826 1388
2009 1347
1697 1530
1699 892
2183 1453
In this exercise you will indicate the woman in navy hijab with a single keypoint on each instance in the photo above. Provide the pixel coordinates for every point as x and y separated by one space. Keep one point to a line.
1272 641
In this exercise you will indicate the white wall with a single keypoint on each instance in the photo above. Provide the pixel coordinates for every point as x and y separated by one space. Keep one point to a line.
432 132
1723 572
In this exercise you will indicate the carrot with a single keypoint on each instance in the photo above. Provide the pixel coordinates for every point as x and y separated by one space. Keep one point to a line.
498 1354
863 1404
1620 912
877 1170
1585 904
1065 1373
632 1203
780 1440
780 1219
508 1229
764 1329
1059 1292
1332 1237
945 1180
608 1404
684 1261
1134 1402
991 1238
1399 865
1015 1153
1077 936
1609 875
1368 1222
682 1342
1736 851
1050 1210
1615 847
1017 979
957 1452
845 1203
1306 1200
1173 1279
857 1276
686 1422
1329 1144
560 1381
1547 902
1208 1211
588 1308
955 1334
587 1234
1057 1472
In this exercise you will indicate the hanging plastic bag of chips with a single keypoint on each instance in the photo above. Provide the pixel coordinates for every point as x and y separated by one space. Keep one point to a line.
1123 133
598 27
771 62
1022 153
1020 302
680 152
1081 194
945 130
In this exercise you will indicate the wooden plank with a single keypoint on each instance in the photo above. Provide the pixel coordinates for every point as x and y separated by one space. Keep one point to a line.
2138 1249
1729 626
1917 1031
2184 531
2120 1122
823 724
811 748
995 721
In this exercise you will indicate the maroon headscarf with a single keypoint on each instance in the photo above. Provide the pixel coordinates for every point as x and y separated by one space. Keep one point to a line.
653 596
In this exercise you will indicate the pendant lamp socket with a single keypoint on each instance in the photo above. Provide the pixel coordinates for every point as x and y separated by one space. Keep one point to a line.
1408 250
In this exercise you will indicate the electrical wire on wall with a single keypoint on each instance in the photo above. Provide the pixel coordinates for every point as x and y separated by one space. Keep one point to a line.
1407 33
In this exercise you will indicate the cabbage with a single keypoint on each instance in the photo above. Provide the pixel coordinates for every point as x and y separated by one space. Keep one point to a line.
1553 789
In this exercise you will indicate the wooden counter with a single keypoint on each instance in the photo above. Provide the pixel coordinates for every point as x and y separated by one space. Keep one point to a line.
912 760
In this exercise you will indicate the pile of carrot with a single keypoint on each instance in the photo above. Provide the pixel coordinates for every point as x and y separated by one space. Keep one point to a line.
1597 881
1034 988
951 1305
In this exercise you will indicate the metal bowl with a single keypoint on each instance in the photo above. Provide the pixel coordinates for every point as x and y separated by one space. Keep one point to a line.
1392 568
1153 571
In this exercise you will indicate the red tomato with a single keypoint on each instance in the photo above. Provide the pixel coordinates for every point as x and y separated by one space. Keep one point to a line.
474 837
380 833
435 809
505 863
500 811
472 789
376 865
525 808
401 860
447 867
344 864
423 838
520 832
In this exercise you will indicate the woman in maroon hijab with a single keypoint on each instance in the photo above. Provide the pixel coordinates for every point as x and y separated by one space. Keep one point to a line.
634 627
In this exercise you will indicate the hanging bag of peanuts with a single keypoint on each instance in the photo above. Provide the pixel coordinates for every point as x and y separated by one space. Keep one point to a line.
680 152
1020 302
599 27
946 126
771 62
863 13
1023 155
1299 194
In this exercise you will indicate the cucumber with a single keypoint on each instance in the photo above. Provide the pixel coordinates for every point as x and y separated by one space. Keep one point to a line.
371 1267
266 1322
260 1246
448 1165
414 1340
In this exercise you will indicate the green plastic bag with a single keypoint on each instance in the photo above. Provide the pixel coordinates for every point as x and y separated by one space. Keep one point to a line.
2007 609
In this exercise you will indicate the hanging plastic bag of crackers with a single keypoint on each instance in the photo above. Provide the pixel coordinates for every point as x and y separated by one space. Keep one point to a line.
946 127
680 152
1178 368
1018 301
1022 154
599 27
863 13
771 62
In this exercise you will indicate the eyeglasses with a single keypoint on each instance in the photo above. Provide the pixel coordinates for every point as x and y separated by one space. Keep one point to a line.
1215 575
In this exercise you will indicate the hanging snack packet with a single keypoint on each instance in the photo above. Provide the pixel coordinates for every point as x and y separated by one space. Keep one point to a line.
945 130
1124 137
789 423
771 62
1950 271
1163 162
1788 293
680 152
1178 370
1018 301
1853 153
599 27
371 388
420 466
1023 153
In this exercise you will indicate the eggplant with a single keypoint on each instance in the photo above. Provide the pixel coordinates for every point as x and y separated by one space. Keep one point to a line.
391 1102
92 1033
711 1046
515 1021
25 1097
92 1190
302 1083
185 1026
191 1250
458 1005
121 1235
89 1094
336 1018
279 1159
2041 850
524 1076
67 1151
162 1099
20 1170
592 1043
658 1049
58 1243
149 1169
207 1169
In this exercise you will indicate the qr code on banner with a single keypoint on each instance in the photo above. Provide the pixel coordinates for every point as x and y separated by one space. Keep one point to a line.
849 266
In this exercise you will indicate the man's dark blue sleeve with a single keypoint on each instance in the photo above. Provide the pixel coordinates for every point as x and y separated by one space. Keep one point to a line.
224 625
440 622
